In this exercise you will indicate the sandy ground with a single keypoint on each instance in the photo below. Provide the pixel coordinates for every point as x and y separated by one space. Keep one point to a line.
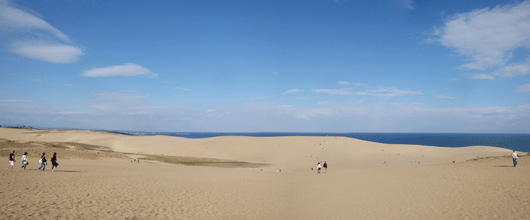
365 180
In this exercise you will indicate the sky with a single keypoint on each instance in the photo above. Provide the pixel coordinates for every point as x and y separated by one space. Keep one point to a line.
438 66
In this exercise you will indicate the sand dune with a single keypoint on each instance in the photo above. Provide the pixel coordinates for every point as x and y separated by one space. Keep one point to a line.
365 180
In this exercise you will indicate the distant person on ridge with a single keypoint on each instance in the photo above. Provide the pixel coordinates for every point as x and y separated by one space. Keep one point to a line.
319 167
325 167
514 157
12 160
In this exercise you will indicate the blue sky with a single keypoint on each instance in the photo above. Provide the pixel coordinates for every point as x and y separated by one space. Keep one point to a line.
258 66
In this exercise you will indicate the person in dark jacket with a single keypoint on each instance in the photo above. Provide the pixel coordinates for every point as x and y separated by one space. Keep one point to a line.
54 161
12 160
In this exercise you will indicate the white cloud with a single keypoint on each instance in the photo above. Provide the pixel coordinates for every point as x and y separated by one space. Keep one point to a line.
13 18
292 91
409 4
514 69
41 41
180 88
352 83
359 84
210 111
260 98
124 111
72 113
524 88
55 53
482 76
488 36
136 113
129 69
389 92
445 97
334 91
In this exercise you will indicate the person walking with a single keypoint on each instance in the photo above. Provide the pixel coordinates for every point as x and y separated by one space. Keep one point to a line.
54 161
42 162
325 167
12 160
514 157
24 160
319 167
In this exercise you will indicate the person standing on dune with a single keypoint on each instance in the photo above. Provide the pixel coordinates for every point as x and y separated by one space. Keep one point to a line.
319 167
54 161
514 157
42 162
12 160
24 160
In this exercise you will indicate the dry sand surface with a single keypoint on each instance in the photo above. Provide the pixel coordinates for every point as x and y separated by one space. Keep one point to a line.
239 178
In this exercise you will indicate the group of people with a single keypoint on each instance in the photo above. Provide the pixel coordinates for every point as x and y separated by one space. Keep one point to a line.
43 162
319 167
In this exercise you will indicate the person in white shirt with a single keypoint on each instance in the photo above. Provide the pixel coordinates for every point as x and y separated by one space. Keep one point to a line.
24 160
514 157
319 167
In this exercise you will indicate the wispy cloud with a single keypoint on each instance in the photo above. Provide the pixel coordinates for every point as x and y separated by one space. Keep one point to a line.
72 113
352 83
37 80
481 76
524 88
126 111
445 97
334 91
389 92
15 19
181 88
514 69
487 36
42 40
409 4
40 50
260 98
129 69
292 91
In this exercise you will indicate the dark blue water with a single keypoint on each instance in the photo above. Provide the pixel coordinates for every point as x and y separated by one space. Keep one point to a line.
518 142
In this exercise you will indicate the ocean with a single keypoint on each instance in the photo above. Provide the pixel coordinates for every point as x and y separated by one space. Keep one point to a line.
518 142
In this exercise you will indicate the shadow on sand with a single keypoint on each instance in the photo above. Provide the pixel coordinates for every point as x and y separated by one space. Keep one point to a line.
63 171
504 166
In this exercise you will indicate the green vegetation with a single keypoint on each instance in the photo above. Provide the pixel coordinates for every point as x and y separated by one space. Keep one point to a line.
197 161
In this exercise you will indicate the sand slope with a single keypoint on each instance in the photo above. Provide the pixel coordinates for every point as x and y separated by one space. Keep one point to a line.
357 186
